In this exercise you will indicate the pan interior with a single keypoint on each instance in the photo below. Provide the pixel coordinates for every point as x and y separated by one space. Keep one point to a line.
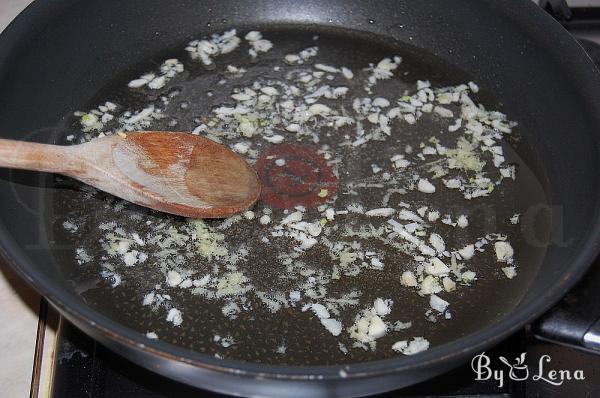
290 335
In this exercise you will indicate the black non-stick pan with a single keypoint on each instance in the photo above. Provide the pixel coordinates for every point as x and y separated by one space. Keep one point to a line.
63 56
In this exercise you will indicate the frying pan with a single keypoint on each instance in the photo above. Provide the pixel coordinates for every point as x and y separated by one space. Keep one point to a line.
57 56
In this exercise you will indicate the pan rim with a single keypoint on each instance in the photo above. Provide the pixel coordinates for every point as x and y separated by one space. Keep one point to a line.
456 349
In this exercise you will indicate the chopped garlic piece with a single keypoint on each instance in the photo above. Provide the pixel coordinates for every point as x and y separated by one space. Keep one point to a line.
376 263
130 258
333 326
241 148
330 214
295 295
174 278
320 311
418 344
174 316
437 267
449 284
425 186
274 139
377 328
510 272
437 242
319 109
313 229
468 276
504 251
148 298
381 212
408 279
291 218
515 219
433 216
347 73
382 307
430 285
467 252
437 303
407 215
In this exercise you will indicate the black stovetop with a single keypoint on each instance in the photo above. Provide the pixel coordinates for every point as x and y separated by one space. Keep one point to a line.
84 368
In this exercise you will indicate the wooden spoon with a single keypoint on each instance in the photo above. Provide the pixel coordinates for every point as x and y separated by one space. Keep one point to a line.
176 173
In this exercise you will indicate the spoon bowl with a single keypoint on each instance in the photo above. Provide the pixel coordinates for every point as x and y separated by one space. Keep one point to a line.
173 172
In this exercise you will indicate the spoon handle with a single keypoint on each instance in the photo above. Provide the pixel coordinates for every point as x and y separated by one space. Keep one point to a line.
37 157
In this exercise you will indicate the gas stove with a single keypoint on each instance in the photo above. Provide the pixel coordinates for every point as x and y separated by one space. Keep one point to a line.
84 368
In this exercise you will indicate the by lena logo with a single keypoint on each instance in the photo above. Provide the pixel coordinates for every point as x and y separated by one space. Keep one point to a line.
520 371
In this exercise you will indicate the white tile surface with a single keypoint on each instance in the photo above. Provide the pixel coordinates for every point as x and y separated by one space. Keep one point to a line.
18 326
9 9
19 304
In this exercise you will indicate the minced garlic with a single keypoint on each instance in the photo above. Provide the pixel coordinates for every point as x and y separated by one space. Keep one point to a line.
302 109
